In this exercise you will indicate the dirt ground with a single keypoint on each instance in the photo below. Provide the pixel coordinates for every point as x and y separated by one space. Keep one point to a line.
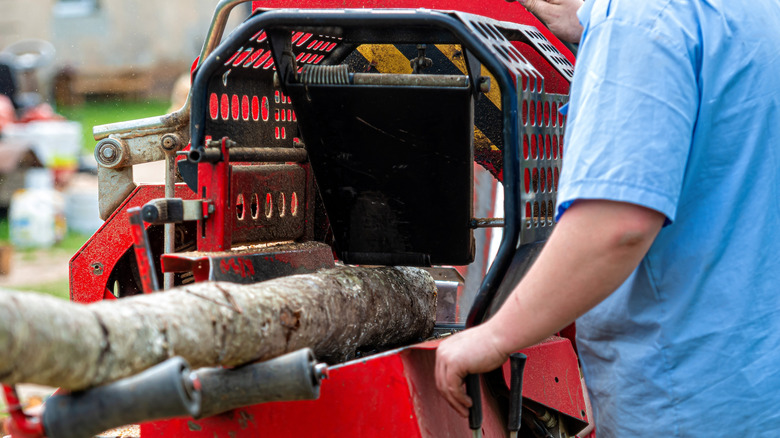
29 268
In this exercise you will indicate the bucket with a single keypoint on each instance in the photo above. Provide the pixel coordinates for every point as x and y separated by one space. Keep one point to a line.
36 218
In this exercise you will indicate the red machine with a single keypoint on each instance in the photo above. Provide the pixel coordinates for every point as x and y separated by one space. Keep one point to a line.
371 135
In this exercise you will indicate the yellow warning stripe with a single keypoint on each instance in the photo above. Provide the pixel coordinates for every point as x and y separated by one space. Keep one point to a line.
386 58
449 50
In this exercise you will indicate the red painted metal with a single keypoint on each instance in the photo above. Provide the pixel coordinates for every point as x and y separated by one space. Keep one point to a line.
216 233
505 11
390 394
91 266
20 424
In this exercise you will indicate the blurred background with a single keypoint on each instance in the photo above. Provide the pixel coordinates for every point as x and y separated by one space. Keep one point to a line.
66 66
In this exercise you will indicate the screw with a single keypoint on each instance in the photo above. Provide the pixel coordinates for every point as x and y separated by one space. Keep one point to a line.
321 371
97 268
108 152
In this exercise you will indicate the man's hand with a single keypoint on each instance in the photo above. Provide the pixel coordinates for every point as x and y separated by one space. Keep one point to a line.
472 351
559 15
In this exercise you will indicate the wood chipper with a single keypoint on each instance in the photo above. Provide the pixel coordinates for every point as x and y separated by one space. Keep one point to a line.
348 133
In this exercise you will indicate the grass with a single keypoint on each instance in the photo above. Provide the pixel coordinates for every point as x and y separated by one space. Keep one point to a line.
57 289
94 113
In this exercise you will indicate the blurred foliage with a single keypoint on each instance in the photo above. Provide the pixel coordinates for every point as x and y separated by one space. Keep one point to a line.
93 113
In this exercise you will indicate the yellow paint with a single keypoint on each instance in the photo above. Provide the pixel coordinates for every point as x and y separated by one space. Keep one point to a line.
449 50
385 58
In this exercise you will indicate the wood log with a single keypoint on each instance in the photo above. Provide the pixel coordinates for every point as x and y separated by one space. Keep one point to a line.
335 312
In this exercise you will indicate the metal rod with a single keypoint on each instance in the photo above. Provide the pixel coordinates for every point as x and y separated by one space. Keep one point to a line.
170 229
419 80
486 222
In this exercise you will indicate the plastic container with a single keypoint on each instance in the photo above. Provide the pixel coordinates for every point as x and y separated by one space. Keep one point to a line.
82 212
56 143
36 218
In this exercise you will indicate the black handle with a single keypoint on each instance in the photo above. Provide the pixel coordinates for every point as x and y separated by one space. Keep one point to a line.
516 365
475 411
163 391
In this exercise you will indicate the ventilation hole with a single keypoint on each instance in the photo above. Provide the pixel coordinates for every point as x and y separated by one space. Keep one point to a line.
311 44
303 39
539 113
264 109
254 206
255 108
535 180
319 58
319 44
556 380
284 115
553 113
525 147
255 36
296 36
550 212
531 113
240 207
276 132
556 173
528 215
547 146
294 118
235 109
268 63
527 180
262 37
560 154
525 113
555 146
536 213
253 58
289 115
269 208
224 106
242 57
276 115
234 56
277 96
549 179
262 60
547 113
542 181
213 106
294 204
534 148
284 133
282 204
331 47
300 56
245 107
543 214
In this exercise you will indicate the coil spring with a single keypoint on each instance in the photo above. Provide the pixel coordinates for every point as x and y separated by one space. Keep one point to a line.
325 74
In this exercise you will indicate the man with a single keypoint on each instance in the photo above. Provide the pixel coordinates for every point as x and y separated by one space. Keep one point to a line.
668 224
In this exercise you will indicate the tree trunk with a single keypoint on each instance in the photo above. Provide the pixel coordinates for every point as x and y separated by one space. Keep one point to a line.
336 312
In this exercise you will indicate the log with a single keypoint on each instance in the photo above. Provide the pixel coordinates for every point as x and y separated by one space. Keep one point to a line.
335 312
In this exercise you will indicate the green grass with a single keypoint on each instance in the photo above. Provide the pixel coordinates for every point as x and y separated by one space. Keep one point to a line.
57 289
94 113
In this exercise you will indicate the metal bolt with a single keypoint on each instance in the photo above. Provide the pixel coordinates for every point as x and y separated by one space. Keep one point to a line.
170 142
108 152
97 268
321 371
211 208
484 84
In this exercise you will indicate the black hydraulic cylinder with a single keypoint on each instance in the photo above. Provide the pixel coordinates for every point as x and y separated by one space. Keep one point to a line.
163 391
294 376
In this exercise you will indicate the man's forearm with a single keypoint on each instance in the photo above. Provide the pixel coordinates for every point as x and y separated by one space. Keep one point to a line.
595 247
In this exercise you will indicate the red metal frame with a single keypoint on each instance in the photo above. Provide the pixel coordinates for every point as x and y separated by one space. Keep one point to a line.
390 394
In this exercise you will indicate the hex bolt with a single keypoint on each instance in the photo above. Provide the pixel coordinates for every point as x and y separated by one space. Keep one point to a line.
108 152
170 142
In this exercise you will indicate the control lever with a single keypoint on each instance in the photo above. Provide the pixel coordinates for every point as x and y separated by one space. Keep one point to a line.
516 366
475 411
162 391
143 252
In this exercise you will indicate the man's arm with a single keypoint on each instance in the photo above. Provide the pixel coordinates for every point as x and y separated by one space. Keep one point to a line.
594 248
559 15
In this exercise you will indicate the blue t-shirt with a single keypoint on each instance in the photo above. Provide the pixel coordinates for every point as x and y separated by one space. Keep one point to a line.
675 106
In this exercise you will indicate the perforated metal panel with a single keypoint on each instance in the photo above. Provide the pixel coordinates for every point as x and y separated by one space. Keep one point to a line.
243 102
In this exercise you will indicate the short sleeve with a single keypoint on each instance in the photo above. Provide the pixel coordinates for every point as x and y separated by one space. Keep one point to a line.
633 107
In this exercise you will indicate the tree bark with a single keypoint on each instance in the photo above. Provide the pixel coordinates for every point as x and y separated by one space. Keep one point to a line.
336 312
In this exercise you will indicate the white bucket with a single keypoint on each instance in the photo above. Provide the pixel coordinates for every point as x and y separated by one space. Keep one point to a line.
36 218
55 142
